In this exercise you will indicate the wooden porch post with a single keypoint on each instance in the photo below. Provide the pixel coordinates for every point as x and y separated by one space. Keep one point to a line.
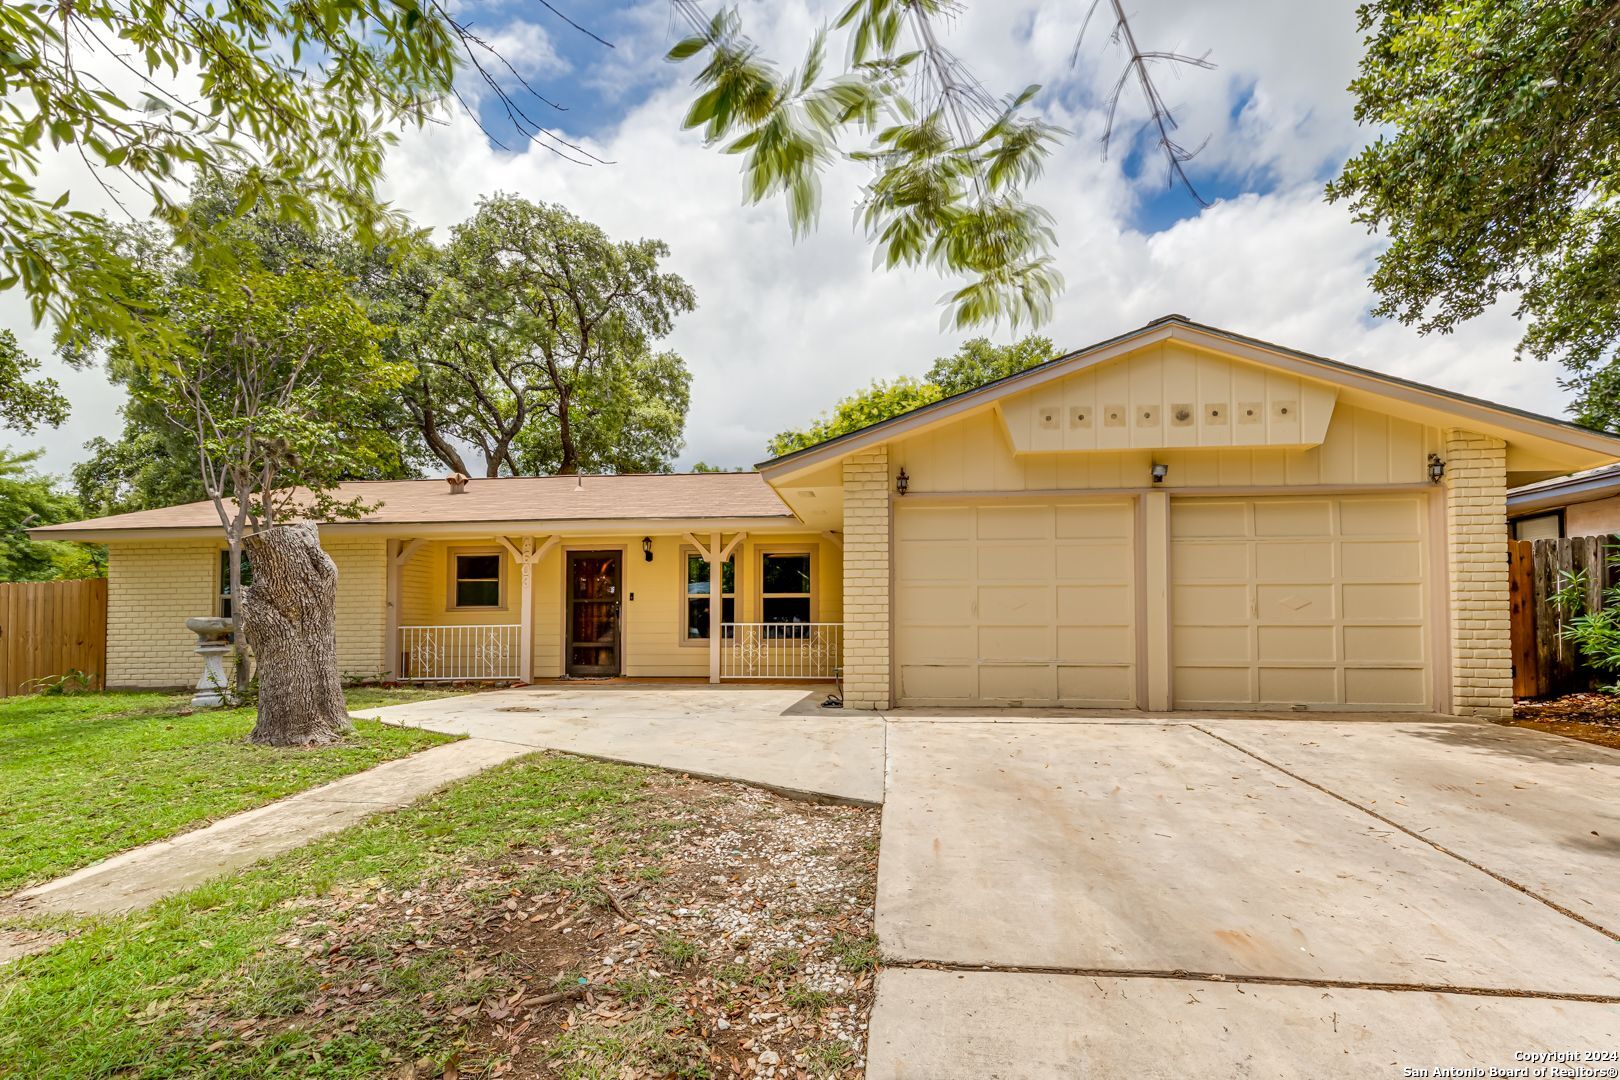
717 605
527 557
399 553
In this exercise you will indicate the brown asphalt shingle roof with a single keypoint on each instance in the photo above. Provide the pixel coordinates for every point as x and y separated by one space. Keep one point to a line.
509 498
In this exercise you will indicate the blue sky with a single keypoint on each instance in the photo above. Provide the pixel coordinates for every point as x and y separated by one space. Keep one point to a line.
784 328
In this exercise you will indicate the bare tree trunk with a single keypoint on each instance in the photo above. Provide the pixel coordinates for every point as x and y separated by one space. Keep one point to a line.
239 650
289 616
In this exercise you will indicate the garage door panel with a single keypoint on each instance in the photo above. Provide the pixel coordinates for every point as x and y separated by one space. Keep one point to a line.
939 684
1015 523
1384 686
1096 644
1037 608
1383 603
1096 605
1381 560
1332 610
998 643
1197 686
1298 643
1382 644
935 560
1302 560
1005 561
944 643
1221 605
1294 603
1293 517
933 604
935 523
1195 645
1099 687
1381 517
1098 521
1016 604
1109 562
1211 562
1022 683
1302 685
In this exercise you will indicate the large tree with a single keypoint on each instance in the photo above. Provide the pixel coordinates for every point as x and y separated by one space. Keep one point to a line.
271 375
26 404
976 362
534 336
1494 173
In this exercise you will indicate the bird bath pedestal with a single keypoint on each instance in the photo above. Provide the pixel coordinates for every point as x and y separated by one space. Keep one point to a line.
213 643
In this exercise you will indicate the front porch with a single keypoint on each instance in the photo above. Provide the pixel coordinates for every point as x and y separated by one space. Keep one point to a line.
523 609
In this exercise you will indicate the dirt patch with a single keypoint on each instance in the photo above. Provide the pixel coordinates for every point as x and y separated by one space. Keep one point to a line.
726 932
1590 717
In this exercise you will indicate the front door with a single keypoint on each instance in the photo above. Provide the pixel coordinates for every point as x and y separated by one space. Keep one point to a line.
593 613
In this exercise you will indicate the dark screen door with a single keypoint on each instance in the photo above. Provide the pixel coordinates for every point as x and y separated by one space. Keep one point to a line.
593 613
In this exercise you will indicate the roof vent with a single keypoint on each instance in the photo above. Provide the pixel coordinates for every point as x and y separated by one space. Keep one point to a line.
457 482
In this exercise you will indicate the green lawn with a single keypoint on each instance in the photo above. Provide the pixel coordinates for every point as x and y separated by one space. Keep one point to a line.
204 984
84 776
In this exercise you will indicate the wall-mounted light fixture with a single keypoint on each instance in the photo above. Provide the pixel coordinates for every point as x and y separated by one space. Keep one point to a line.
1437 469
646 547
1159 472
902 481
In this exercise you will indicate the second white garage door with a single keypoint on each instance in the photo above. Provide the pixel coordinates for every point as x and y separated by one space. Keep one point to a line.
1001 603
1300 601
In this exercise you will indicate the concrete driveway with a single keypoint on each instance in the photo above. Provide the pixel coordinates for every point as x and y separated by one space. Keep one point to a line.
1243 897
1218 896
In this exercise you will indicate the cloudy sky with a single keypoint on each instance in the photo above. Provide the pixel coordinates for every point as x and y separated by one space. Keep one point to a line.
783 328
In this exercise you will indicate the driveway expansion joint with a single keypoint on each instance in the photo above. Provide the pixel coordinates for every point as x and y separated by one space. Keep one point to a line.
1179 975
1465 860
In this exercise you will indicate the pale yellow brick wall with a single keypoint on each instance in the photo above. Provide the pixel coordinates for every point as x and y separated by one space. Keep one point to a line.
362 603
153 587
1476 541
866 580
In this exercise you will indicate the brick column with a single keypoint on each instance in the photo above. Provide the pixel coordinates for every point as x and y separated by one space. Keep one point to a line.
866 580
1476 543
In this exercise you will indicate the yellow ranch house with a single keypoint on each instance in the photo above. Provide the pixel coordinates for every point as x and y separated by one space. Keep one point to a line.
1179 517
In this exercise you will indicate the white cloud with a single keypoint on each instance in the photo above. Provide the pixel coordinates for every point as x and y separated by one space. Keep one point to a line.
784 329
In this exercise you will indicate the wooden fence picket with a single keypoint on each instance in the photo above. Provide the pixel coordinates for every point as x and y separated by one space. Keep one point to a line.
49 629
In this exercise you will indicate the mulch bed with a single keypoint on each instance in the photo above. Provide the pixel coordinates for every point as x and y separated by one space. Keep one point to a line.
1590 717
730 935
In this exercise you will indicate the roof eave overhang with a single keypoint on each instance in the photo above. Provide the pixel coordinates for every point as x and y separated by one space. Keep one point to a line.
1606 447
572 527
1590 489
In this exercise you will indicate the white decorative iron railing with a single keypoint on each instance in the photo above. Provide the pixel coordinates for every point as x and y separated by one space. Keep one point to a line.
458 653
781 650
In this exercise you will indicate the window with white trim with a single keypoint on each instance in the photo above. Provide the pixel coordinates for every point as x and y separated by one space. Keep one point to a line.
698 607
477 580
786 590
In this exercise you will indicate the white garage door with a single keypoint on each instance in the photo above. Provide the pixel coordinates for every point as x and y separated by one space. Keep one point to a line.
1299 601
1015 603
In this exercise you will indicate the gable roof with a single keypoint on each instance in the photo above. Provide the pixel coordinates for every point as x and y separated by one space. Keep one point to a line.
1180 328
507 499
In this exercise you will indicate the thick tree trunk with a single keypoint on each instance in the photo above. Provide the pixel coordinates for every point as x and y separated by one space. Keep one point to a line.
289 616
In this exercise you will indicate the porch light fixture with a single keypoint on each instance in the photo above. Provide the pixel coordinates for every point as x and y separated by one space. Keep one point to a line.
646 547
1159 472
902 481
1437 469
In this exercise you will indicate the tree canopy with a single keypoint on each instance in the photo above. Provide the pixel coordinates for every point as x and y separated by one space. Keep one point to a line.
25 405
533 333
1494 172
977 362
27 500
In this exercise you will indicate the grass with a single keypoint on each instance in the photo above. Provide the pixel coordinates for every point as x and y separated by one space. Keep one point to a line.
84 776
122 997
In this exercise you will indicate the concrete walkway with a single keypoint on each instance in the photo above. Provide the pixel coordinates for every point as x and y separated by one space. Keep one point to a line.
776 737
147 874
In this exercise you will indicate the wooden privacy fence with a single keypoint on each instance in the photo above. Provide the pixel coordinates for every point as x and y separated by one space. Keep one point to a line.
49 628
1544 664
